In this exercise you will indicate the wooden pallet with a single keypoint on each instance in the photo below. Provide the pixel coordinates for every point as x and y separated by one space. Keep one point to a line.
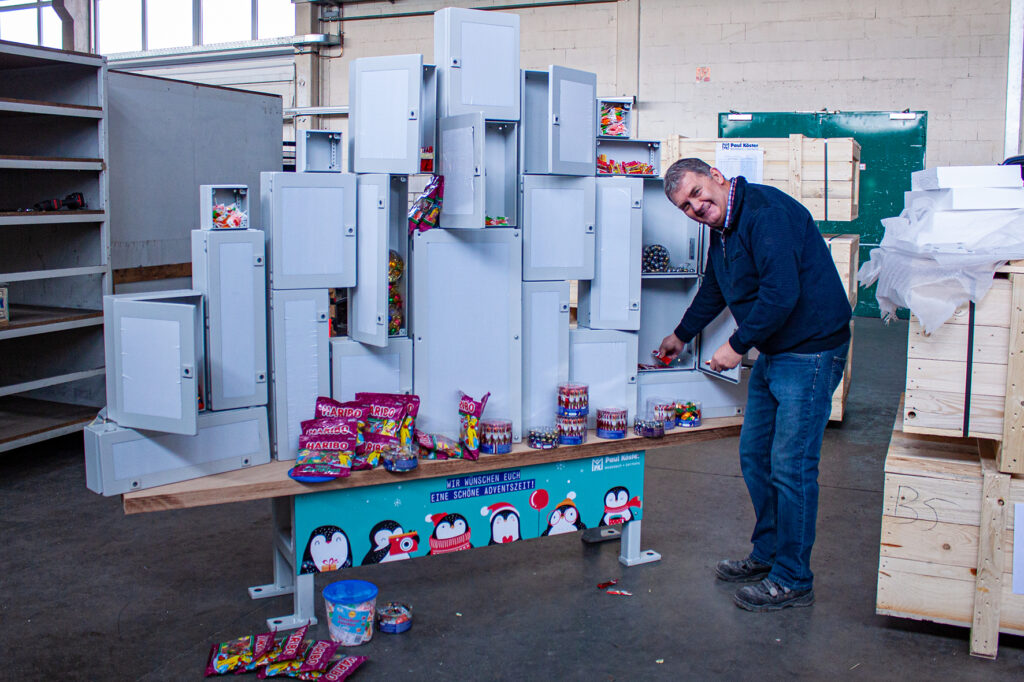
939 364
946 552
796 165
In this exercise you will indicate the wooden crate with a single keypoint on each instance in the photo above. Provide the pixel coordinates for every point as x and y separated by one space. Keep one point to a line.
937 372
845 250
843 390
796 165
946 551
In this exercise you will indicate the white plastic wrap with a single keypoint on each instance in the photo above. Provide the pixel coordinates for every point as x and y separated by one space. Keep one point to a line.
934 261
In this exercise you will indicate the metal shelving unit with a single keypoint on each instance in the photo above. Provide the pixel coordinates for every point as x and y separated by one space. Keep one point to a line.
53 141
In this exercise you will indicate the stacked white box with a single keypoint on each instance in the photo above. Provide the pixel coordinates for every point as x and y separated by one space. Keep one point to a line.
357 367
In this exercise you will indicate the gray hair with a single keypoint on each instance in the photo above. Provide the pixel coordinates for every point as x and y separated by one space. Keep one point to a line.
674 174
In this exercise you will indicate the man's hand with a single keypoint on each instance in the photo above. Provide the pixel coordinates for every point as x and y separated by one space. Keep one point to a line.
671 346
725 358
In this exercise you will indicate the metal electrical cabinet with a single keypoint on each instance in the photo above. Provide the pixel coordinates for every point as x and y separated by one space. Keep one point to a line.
604 360
545 349
356 367
717 398
501 172
559 121
300 363
392 114
558 217
310 230
119 460
467 325
228 267
318 151
155 359
612 299
382 202
477 55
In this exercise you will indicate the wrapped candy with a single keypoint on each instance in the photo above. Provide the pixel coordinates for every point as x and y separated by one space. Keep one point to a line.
228 217
229 656
655 258
470 412
396 266
426 210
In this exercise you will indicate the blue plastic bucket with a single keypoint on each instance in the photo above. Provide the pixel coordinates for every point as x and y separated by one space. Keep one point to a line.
351 605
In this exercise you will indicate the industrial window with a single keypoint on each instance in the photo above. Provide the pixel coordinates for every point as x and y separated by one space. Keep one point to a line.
140 25
29 21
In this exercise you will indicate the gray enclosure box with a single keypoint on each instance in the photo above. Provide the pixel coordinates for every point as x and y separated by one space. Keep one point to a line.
356 367
300 363
229 268
477 56
119 460
558 217
467 324
545 349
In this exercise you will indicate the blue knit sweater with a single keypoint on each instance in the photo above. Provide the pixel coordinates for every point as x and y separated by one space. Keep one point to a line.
773 270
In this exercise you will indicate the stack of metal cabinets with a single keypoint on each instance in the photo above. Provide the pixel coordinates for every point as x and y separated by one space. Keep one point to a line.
625 310
187 370
311 248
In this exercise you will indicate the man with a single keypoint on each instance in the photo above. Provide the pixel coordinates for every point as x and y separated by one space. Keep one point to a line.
768 263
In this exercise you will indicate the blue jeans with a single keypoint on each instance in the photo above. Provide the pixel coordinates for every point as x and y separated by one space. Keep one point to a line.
789 399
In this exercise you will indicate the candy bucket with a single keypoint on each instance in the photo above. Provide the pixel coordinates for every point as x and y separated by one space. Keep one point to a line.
350 609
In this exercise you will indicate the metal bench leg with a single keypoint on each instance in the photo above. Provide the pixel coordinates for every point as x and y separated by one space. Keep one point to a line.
630 553
286 581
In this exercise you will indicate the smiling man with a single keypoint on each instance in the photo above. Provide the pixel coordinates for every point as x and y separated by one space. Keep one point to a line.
768 263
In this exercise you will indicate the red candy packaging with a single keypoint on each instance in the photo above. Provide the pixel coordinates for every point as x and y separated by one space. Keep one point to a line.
227 657
291 646
263 648
343 669
369 453
318 656
333 426
328 407
411 403
437 447
470 412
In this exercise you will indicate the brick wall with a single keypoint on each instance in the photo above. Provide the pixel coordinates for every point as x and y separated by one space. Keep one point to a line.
947 57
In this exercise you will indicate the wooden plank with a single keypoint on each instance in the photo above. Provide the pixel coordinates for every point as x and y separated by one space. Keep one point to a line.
952 544
994 309
843 390
21 417
950 376
796 165
1011 454
35 315
942 414
271 480
151 273
949 342
988 590
922 590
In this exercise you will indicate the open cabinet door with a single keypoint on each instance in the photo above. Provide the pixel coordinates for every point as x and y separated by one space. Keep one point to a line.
152 354
368 301
573 106
384 118
545 349
462 165
713 336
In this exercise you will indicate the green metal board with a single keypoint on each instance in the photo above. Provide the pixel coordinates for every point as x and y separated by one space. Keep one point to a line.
892 146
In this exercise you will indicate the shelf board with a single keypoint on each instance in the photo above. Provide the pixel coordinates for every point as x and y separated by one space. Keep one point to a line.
26 386
27 320
50 217
10 106
25 420
21 56
55 273
50 163
668 275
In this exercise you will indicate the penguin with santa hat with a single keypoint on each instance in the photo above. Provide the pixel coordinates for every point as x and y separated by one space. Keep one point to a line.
450 534
504 523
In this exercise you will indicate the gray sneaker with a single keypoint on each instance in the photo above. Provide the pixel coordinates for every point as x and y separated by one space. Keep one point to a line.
768 595
742 571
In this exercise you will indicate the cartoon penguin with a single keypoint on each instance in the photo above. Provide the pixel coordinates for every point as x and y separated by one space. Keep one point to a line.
328 549
380 542
565 518
617 507
451 533
504 523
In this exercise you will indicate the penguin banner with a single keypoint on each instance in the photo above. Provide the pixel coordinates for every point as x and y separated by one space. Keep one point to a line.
429 516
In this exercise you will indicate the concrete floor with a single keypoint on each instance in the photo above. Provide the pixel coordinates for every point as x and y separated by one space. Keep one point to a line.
89 594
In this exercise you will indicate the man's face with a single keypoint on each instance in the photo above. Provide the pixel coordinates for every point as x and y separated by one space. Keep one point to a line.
703 198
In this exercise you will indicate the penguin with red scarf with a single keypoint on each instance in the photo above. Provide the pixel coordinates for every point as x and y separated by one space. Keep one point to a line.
504 523
451 533
617 507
